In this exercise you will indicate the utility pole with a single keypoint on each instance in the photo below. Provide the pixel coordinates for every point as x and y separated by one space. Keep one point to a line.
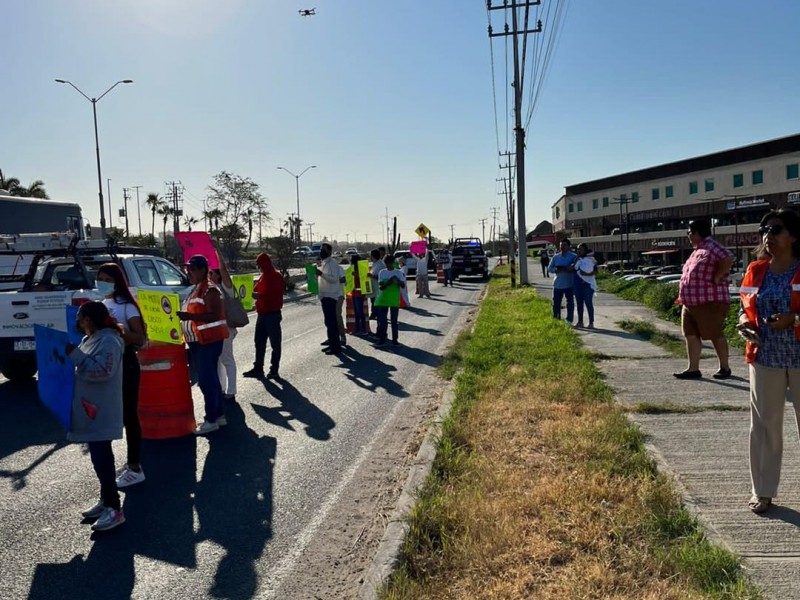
125 210
452 234
108 187
519 131
138 208
310 232
508 184
386 209
483 230
494 210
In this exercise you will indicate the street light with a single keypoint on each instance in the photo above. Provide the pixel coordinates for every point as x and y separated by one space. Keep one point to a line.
94 102
297 189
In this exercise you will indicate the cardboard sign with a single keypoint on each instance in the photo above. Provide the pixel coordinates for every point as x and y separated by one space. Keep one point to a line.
159 312
56 380
311 279
243 284
197 242
364 277
389 296
349 279
418 247
74 334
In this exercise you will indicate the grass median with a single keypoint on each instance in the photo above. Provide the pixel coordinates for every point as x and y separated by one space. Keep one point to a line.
541 487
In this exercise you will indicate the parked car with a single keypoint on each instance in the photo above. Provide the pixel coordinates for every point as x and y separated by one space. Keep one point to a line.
303 252
676 277
351 251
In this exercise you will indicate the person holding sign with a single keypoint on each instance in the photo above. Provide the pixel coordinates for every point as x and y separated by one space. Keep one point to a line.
387 279
358 298
97 404
378 265
227 363
204 327
122 306
422 276
268 294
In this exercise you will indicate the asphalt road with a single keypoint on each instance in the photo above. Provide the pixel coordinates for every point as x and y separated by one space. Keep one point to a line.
230 515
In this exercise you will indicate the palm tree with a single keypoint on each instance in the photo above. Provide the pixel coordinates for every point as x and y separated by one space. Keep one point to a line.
34 190
166 211
9 184
154 202
189 222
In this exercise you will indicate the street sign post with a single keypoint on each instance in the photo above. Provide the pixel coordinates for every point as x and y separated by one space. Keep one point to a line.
422 231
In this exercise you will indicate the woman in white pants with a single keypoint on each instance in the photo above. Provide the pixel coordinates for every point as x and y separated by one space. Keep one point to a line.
227 364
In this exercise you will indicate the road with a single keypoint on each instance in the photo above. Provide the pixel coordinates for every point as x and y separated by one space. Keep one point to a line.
287 501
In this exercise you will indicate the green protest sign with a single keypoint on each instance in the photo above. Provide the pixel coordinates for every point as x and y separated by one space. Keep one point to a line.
243 284
159 312
311 279
349 279
364 277
389 296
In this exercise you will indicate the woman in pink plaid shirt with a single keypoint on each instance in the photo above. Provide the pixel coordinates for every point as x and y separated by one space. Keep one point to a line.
705 299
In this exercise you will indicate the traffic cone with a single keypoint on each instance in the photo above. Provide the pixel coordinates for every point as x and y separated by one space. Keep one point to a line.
439 274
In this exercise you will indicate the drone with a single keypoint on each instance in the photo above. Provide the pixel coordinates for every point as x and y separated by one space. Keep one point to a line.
307 12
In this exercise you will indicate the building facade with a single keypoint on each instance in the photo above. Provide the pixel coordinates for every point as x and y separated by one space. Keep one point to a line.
642 216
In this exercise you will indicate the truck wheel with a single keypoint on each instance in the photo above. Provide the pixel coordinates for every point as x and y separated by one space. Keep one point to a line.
485 275
19 369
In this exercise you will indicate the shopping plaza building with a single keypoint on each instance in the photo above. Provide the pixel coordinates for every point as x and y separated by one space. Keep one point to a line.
642 216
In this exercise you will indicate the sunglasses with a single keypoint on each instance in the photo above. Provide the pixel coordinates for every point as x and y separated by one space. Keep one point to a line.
773 229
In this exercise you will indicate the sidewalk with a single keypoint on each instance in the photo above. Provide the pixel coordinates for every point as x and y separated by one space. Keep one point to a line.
706 452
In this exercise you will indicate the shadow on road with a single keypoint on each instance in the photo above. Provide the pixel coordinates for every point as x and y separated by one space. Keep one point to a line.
411 327
318 424
370 373
233 500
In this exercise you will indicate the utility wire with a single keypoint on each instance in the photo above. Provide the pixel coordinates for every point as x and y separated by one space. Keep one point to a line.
494 87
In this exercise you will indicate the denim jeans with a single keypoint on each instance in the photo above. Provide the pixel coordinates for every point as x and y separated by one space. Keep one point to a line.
448 276
558 295
131 376
268 327
383 313
358 311
103 462
331 323
206 358
584 295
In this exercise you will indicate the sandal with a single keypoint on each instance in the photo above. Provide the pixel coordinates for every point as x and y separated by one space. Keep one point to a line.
759 504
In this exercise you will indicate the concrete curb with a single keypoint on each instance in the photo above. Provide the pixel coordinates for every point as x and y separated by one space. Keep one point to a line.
388 555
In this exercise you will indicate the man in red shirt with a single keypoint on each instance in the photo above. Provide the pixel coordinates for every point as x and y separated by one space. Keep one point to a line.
705 299
268 293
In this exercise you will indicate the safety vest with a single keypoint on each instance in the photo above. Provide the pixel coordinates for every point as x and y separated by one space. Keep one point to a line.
751 283
206 332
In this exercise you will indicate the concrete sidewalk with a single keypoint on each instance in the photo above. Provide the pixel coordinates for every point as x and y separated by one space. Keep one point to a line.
706 452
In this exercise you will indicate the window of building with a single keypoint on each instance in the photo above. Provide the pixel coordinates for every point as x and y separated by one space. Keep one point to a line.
635 197
758 177
558 212
571 208
580 206
709 187
655 193
738 180
792 171
595 203
668 192
692 187
605 202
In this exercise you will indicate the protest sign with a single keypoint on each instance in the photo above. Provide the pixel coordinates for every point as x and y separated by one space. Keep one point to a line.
418 247
364 277
197 242
243 284
74 334
349 279
311 279
56 379
389 296
159 312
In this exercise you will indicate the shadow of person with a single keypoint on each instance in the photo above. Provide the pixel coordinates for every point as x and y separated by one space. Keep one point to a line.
234 503
318 424
783 513
418 355
404 326
422 312
370 373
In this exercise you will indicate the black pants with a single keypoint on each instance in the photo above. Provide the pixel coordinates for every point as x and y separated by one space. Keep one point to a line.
131 376
103 462
268 327
383 313
331 323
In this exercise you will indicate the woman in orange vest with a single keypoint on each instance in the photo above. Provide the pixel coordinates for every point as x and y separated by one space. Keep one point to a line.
770 322
204 328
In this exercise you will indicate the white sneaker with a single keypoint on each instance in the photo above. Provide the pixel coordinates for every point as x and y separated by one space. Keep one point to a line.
130 477
205 428
222 421
109 519
95 511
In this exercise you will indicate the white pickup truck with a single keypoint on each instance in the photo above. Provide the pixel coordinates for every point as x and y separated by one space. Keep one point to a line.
56 282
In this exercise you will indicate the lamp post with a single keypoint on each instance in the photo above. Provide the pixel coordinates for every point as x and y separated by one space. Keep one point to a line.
297 190
94 102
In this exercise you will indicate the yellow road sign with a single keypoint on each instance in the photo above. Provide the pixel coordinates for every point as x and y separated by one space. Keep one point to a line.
422 230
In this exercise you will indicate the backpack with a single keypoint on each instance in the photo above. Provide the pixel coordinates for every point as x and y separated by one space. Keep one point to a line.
235 314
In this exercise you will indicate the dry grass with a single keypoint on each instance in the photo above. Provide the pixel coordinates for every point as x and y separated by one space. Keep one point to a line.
542 488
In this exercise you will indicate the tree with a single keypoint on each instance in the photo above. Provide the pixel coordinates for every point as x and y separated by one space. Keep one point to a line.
189 222
154 202
166 211
237 201
8 184
280 248
13 187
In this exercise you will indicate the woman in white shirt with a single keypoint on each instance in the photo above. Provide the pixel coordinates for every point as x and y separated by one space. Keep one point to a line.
585 283
227 363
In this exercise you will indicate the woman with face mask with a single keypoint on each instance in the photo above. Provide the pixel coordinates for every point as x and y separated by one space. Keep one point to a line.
123 308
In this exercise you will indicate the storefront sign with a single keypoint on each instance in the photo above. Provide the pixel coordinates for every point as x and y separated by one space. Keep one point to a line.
664 243
747 204
793 197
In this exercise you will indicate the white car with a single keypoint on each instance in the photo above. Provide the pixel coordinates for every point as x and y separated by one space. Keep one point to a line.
674 278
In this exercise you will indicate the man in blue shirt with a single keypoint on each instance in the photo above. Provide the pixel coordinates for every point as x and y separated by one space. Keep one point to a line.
563 265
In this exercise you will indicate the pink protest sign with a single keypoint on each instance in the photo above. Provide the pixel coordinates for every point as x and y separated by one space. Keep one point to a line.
418 247
197 242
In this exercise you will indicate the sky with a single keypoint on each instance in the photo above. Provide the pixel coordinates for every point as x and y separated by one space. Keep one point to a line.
393 101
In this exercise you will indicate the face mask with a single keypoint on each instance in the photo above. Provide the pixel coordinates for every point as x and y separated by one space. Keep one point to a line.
106 288
323 254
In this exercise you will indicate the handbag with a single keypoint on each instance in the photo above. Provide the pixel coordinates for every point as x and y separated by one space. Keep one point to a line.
235 314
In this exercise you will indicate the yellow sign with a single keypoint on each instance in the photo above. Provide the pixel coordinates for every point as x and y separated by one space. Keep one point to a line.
422 231
159 312
350 279
243 284
364 278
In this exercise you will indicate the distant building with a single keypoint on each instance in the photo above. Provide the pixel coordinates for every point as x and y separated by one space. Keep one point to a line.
540 237
642 215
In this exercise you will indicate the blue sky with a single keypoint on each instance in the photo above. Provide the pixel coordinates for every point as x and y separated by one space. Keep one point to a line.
392 100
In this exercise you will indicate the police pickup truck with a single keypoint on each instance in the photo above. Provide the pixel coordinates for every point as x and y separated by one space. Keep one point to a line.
58 278
469 258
